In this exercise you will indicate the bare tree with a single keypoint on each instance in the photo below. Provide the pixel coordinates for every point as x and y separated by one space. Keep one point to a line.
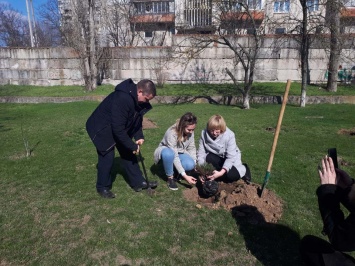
304 52
79 27
128 23
333 22
49 32
239 30
305 24
307 27
116 21
14 30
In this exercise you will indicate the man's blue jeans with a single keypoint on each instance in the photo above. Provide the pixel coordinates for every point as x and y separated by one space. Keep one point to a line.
167 157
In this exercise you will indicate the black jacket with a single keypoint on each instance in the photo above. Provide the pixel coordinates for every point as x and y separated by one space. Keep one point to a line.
118 119
340 230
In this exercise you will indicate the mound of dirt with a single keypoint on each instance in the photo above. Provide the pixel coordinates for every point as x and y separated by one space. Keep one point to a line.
350 132
242 200
147 123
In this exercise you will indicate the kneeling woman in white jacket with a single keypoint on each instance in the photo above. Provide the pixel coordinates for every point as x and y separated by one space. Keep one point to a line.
217 146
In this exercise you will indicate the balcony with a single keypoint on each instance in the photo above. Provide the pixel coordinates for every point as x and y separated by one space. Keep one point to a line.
153 15
153 18
241 20
348 13
257 16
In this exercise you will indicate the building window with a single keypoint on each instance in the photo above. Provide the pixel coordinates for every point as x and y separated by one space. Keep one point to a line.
313 5
152 7
198 13
231 6
349 3
282 6
148 34
280 30
254 4
238 5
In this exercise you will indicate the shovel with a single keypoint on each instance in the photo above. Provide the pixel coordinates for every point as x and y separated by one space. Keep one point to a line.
150 191
276 136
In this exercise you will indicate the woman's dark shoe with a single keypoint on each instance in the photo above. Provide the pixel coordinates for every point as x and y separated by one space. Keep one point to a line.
172 184
106 193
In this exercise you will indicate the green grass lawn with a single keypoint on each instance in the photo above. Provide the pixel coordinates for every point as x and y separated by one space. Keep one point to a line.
50 213
265 88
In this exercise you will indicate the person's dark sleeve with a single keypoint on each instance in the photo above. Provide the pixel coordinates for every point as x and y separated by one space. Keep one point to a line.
145 107
122 107
139 134
341 232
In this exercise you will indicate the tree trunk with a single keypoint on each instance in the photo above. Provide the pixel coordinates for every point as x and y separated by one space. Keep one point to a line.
304 54
246 98
92 48
245 91
333 71
334 25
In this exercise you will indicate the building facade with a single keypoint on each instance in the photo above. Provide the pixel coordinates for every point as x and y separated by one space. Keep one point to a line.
155 22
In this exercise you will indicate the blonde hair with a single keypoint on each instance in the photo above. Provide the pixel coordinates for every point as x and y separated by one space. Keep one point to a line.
184 121
216 122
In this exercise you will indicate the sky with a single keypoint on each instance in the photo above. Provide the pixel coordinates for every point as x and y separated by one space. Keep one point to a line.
20 5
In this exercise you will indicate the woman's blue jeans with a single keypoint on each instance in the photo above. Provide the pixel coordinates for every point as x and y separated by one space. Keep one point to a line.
167 157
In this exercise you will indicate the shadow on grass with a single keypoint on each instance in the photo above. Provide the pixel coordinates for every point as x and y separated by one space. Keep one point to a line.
118 170
272 244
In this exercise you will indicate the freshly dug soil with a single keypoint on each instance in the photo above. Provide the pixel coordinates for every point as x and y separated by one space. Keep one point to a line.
147 123
242 200
238 197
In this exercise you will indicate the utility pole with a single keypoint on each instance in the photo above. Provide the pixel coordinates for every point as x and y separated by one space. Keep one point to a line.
31 19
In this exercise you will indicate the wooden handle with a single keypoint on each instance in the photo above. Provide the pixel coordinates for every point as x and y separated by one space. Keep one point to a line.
277 132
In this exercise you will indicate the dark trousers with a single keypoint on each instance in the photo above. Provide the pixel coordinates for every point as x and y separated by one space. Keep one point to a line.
217 162
318 252
129 163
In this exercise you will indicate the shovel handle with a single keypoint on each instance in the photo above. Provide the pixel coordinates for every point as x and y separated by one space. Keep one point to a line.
278 127
143 166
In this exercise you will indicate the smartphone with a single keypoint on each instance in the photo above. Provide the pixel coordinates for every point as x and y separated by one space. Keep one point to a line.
332 153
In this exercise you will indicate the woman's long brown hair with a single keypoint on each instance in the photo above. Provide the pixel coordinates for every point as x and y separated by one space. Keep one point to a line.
184 121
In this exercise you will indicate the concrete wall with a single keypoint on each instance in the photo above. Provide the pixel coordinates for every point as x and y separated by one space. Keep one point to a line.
39 66
60 66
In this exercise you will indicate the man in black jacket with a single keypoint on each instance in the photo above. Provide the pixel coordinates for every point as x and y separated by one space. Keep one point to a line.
336 187
117 120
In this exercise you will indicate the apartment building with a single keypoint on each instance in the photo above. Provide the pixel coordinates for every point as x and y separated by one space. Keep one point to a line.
235 16
154 22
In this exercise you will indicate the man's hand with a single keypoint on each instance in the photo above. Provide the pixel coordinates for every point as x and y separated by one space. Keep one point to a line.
137 151
140 142
327 173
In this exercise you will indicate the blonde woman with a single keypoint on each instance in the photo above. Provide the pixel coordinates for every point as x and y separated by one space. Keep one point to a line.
218 147
177 150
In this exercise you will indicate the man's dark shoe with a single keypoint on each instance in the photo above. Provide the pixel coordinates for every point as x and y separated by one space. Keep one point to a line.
105 193
247 176
144 185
